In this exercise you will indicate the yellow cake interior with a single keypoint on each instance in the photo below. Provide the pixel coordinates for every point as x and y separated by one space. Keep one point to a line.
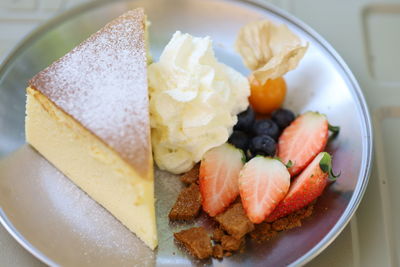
92 165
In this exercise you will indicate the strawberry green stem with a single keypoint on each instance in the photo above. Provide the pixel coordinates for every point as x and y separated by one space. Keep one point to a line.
289 164
335 131
326 166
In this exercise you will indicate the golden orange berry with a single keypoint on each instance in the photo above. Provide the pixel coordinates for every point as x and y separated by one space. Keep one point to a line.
265 98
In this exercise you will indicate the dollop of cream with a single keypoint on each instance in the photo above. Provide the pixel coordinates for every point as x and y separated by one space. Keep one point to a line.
194 100
269 50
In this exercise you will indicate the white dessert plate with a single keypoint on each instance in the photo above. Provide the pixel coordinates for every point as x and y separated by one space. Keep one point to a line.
61 225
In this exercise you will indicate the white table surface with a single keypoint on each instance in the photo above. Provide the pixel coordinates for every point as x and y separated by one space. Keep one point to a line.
367 35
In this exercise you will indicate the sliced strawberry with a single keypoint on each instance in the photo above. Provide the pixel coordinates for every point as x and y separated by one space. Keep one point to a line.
263 183
306 187
302 140
218 177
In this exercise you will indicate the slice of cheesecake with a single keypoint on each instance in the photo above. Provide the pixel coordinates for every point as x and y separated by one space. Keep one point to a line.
88 114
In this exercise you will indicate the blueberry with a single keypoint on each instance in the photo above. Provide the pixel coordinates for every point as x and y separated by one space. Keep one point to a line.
262 145
245 120
266 127
239 139
283 117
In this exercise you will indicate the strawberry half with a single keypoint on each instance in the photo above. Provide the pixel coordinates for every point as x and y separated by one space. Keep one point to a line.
306 187
303 139
218 177
263 183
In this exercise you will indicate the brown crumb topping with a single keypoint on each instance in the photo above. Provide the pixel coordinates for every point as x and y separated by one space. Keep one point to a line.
227 254
188 204
196 241
218 252
234 221
280 224
191 176
230 243
218 233
265 231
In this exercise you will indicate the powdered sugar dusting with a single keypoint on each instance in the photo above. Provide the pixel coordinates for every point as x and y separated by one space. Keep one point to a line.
102 83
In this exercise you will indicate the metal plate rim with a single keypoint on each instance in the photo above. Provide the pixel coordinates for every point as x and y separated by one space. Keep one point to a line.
365 171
